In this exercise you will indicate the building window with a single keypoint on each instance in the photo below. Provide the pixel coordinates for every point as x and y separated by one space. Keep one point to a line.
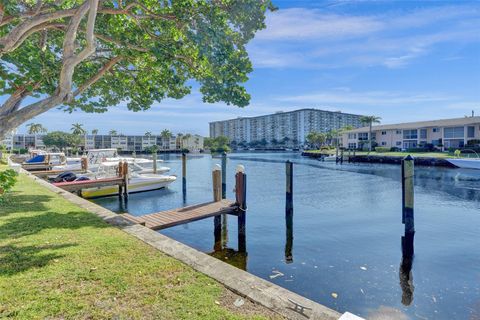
410 134
471 132
384 143
363 136
384 133
423 133
398 143
352 136
435 130
398 132
453 133
352 146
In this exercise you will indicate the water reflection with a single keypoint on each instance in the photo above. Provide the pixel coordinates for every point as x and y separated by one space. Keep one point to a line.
405 272
289 235
237 258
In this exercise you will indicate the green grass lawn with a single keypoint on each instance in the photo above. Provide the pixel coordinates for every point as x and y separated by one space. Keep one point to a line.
60 261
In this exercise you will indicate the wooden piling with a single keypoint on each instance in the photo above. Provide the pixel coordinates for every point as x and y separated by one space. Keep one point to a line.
184 173
125 180
217 196
224 175
336 155
341 156
408 172
84 163
224 196
154 157
289 184
120 175
241 201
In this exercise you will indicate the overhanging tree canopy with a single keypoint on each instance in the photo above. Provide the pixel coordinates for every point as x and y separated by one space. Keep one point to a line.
92 54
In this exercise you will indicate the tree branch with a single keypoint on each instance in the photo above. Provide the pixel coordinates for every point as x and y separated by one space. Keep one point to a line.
109 65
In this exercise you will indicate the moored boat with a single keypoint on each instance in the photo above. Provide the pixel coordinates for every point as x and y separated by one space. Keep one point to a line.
466 163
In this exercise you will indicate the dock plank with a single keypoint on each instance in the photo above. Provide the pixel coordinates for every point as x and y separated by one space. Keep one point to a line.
170 218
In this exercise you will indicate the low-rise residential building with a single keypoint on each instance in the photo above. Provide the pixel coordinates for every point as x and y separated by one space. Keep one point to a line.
128 143
440 134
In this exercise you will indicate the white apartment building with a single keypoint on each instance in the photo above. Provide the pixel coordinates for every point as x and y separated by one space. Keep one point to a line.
291 127
442 134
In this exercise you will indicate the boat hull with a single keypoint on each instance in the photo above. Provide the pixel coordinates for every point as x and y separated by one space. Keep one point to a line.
466 163
134 186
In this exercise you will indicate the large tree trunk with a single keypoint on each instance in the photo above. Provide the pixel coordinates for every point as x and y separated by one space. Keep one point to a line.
11 121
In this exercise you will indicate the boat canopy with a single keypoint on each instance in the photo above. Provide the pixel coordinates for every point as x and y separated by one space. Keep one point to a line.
37 159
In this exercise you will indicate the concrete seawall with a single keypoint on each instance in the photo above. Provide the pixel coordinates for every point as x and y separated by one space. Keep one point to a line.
419 161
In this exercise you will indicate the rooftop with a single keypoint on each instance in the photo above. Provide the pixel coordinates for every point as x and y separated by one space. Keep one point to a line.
423 124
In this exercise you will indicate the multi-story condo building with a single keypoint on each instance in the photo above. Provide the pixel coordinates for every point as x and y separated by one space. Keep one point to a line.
290 127
120 142
441 134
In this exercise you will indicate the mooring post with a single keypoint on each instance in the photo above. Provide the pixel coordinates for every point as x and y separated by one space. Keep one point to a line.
408 172
289 184
405 272
241 200
125 180
84 164
155 162
120 175
224 175
217 196
184 173
341 156
224 196
336 155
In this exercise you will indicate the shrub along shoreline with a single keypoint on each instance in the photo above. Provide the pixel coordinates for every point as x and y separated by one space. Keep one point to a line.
58 260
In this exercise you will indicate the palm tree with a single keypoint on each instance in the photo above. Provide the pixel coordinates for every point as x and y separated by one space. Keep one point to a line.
370 120
77 129
166 134
94 132
148 134
113 132
36 128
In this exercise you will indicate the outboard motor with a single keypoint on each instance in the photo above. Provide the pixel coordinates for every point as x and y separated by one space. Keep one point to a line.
65 177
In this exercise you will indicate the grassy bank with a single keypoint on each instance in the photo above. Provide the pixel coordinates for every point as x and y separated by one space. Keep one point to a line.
59 261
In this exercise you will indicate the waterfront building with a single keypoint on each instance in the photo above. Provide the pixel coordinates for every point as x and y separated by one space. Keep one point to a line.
440 134
287 128
128 143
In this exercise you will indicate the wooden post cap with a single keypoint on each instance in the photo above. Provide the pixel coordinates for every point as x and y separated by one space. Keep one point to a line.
240 169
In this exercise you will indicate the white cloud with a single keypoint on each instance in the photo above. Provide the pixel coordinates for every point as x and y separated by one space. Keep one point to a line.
372 98
305 24
306 38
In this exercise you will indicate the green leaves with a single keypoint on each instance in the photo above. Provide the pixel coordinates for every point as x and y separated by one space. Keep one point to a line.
8 178
163 46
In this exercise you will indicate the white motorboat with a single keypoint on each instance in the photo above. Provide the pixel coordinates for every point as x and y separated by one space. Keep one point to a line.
138 180
466 163
96 157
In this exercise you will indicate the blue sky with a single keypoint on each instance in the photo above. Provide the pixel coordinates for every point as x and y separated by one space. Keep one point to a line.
400 60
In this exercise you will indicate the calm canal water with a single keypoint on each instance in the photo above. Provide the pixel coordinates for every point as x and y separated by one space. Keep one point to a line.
346 246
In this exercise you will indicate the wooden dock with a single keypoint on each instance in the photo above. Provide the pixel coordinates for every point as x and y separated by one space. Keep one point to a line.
43 174
170 218
85 184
